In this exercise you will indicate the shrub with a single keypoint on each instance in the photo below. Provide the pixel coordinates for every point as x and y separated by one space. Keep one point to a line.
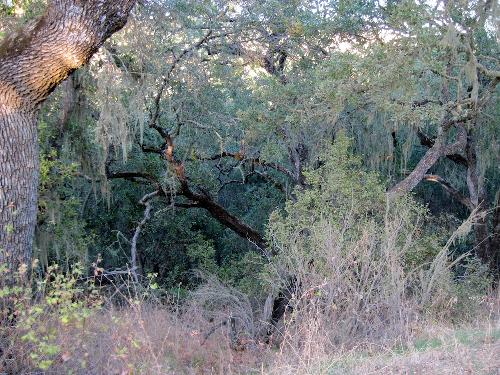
362 267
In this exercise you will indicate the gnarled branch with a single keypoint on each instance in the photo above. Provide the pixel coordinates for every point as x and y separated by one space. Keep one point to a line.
256 161
429 142
438 149
146 202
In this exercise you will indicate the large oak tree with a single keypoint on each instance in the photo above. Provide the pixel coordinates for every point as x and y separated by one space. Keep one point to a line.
32 63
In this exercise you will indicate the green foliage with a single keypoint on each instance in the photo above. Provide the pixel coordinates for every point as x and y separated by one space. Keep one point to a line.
339 193
470 289
343 198
34 309
61 235
350 65
15 13
201 254
54 171
242 272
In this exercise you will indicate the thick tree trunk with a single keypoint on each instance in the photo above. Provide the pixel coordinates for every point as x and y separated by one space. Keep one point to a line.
32 64
18 184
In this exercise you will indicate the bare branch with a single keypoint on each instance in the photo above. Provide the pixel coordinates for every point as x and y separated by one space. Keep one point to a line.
429 142
146 202
131 176
438 149
495 74
450 190
256 161
155 112
151 150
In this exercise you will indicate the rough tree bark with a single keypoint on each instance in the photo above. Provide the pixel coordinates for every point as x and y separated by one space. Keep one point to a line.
32 64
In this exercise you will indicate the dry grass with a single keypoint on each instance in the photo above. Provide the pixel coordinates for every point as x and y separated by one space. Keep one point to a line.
143 340
150 338
437 349
355 309
451 359
147 339
430 347
129 332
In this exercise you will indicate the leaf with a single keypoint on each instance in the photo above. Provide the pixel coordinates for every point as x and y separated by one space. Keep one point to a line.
45 364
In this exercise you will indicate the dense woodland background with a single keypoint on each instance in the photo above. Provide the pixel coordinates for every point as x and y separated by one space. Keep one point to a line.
272 173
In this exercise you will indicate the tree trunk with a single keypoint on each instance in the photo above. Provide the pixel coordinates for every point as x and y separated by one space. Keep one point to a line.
484 243
32 64
18 183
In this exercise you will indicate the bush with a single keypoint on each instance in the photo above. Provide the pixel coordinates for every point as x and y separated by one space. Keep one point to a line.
362 267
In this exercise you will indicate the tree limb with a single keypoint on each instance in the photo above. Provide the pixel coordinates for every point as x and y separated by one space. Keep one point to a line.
155 112
429 142
132 176
257 161
146 202
35 61
438 149
450 190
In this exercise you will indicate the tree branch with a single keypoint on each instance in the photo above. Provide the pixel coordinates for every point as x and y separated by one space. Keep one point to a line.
146 202
132 176
257 161
155 112
438 149
35 61
450 190
199 201
429 142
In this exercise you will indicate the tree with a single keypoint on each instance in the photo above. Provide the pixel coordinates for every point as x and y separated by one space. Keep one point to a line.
468 78
32 63
245 98
185 80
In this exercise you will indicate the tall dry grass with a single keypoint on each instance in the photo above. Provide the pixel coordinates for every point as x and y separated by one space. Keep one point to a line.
132 329
145 334
355 288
